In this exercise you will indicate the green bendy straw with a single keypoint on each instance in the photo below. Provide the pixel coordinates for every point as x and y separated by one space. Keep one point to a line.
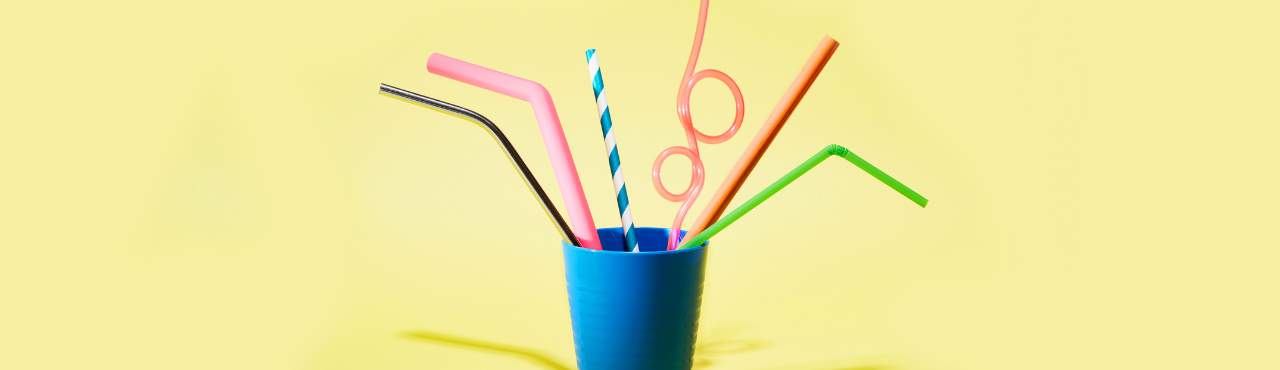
800 170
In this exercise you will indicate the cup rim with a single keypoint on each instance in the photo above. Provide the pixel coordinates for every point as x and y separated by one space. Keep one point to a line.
642 253
566 244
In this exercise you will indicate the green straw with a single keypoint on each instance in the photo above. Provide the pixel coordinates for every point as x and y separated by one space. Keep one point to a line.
800 170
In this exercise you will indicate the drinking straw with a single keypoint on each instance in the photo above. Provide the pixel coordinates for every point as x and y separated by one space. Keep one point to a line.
611 146
544 111
697 175
800 170
786 105
482 121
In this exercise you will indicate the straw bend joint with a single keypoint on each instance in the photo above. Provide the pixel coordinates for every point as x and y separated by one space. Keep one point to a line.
836 149
536 94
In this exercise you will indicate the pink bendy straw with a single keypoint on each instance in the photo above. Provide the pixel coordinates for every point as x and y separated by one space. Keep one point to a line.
584 228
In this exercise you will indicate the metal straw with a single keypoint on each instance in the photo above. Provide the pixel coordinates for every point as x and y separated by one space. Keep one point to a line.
496 133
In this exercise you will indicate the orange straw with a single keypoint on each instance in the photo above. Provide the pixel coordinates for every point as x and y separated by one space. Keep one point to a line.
761 142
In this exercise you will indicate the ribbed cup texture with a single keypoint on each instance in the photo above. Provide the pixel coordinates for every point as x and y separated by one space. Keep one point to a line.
634 311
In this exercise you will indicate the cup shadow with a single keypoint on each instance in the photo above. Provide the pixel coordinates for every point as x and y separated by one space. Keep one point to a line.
705 352
537 357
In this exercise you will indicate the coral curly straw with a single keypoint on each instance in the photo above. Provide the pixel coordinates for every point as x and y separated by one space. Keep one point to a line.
692 134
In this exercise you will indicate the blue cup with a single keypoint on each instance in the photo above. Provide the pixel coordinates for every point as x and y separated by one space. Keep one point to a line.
634 311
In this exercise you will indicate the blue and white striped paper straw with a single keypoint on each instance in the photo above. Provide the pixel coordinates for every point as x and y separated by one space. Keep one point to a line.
611 144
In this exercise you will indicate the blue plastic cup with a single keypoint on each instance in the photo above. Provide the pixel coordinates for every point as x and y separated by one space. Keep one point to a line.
634 311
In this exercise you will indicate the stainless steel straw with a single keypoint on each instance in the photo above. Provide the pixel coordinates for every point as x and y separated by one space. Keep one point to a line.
496 133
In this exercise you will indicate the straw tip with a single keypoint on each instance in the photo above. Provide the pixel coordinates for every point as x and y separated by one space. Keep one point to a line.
591 51
434 60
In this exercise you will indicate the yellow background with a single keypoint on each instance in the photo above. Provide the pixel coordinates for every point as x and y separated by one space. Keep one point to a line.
218 185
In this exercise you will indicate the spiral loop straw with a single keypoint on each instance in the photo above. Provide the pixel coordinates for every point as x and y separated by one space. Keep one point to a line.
611 146
691 133
482 121
794 174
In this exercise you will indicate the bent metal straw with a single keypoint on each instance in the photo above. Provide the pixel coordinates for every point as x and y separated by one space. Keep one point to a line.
794 174
692 134
611 146
549 125
729 187
482 121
